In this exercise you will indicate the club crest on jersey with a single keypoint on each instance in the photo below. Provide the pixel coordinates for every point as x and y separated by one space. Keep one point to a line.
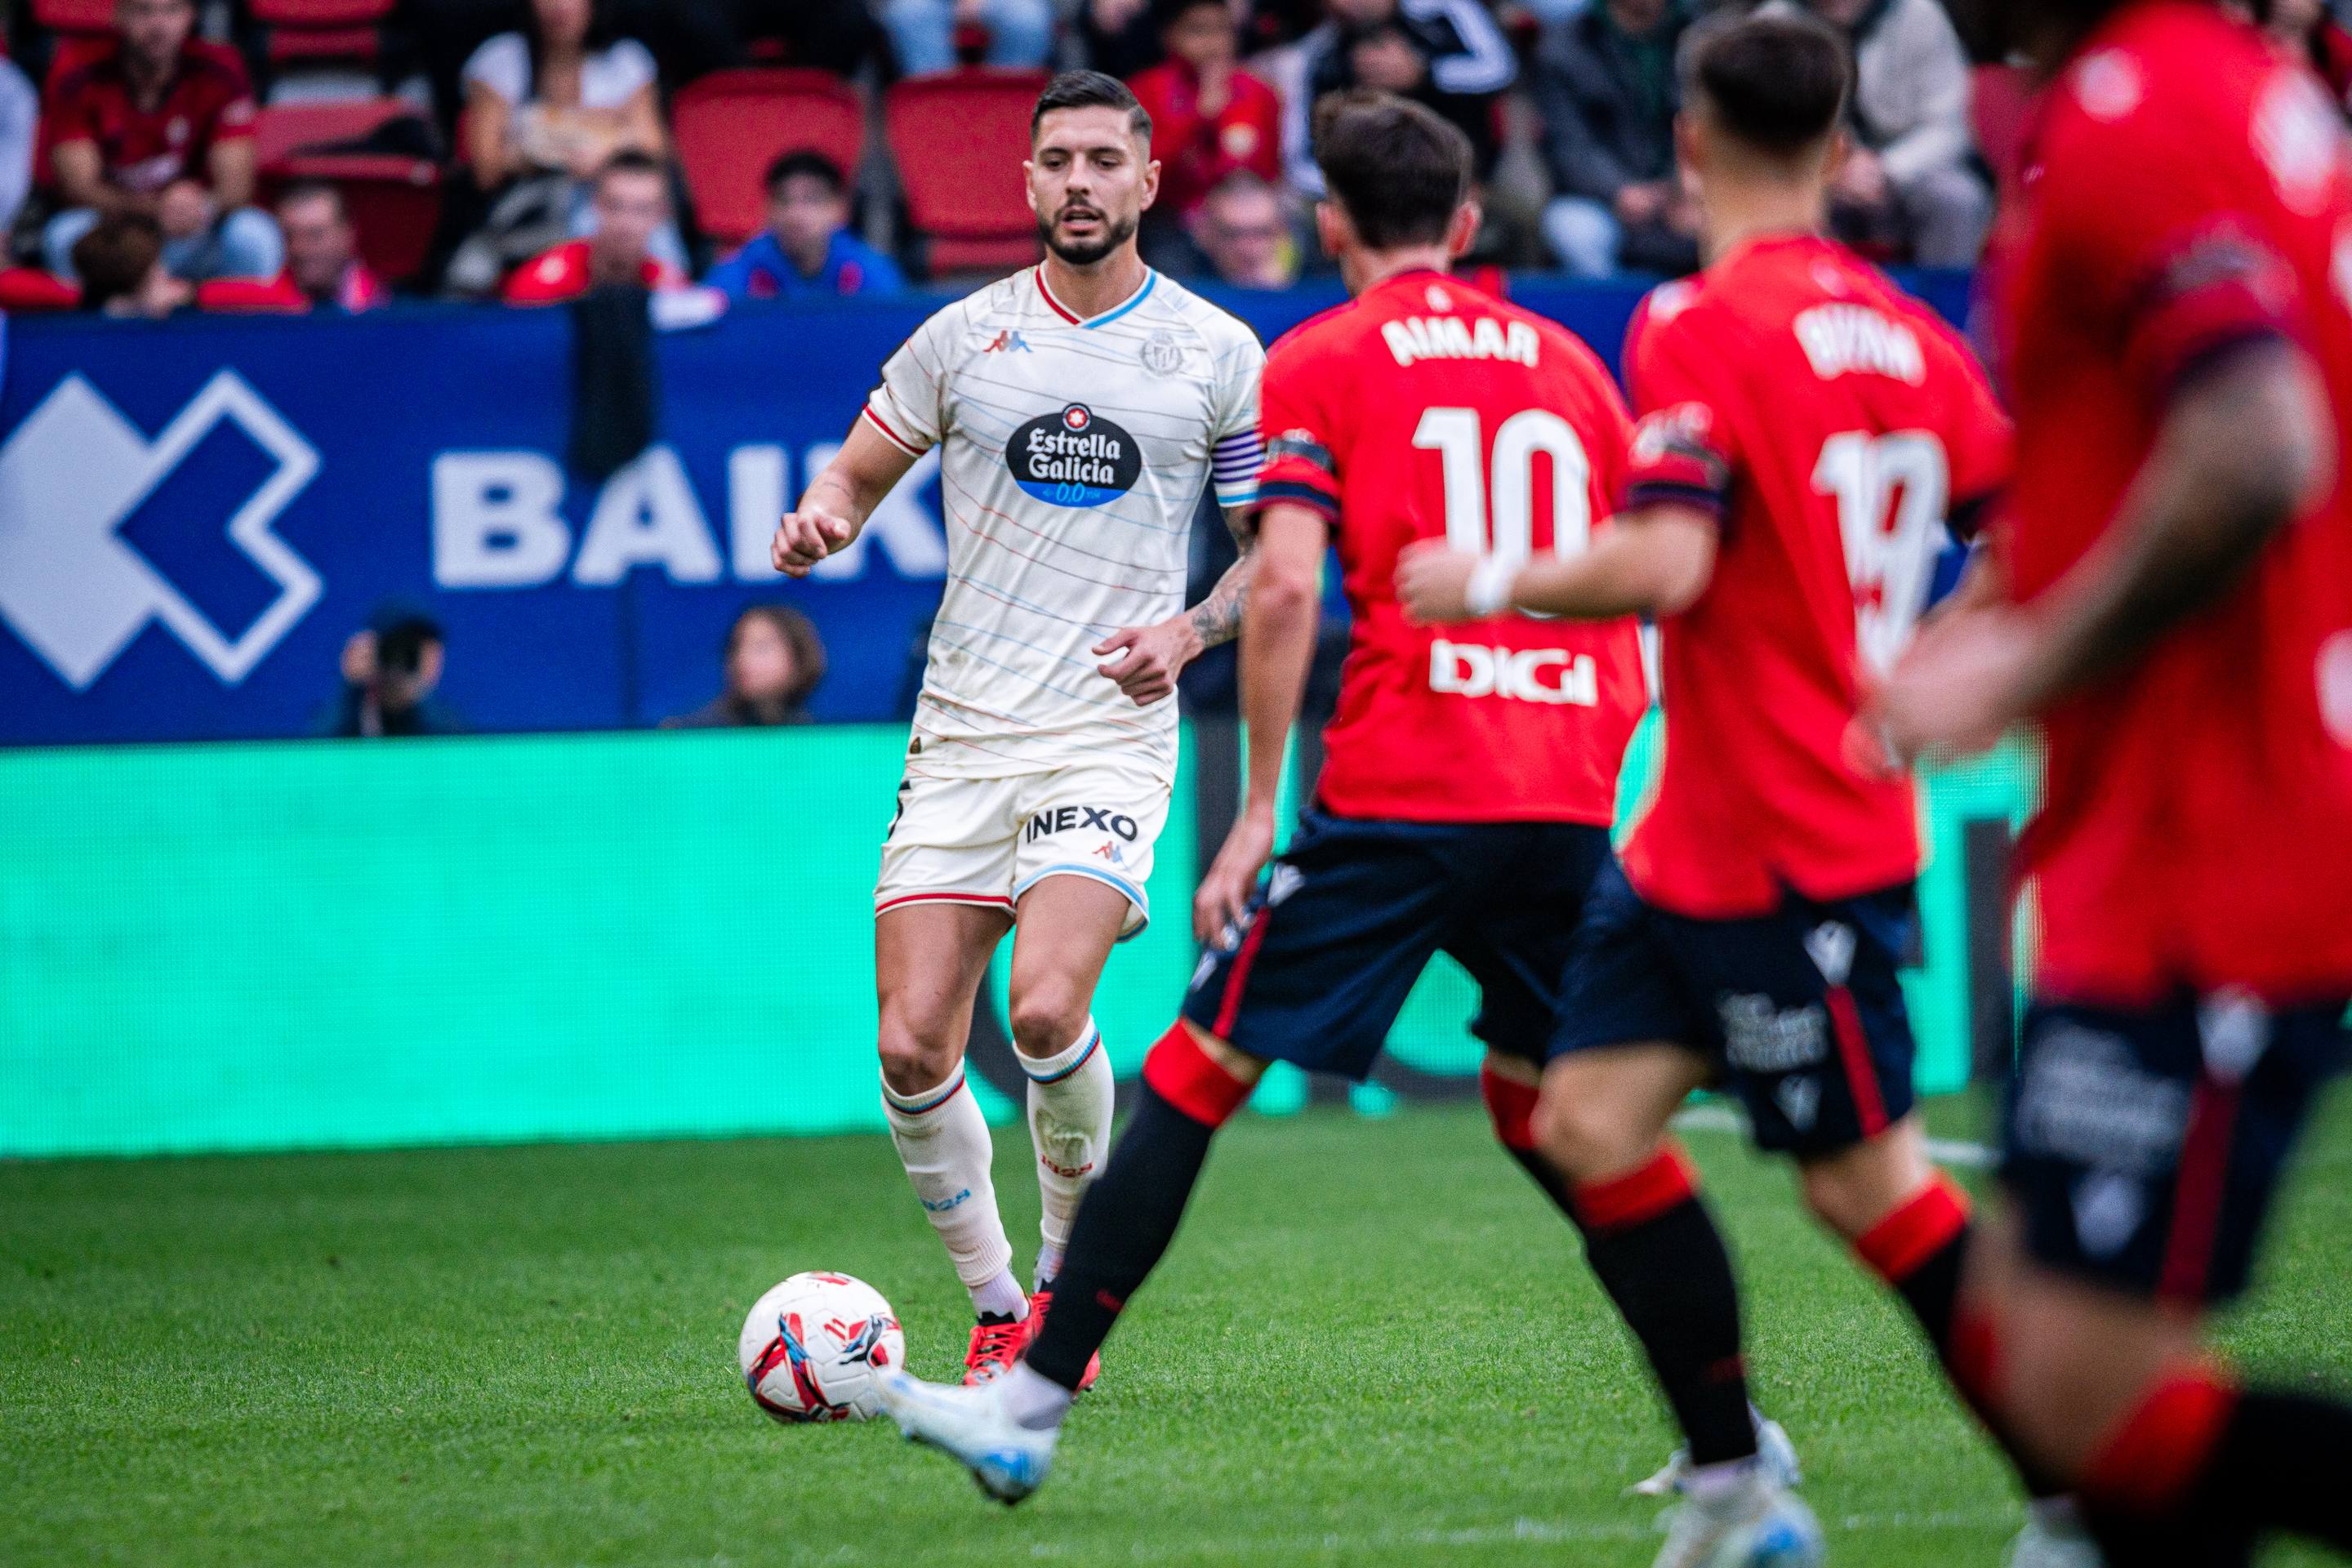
1074 459
1162 354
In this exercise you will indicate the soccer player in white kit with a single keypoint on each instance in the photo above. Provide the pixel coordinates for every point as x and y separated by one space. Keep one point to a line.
1081 408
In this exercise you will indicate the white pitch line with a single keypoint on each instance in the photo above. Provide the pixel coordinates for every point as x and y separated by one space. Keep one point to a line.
1943 1151
1527 1532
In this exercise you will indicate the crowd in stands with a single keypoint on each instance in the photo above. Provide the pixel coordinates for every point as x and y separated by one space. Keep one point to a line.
278 155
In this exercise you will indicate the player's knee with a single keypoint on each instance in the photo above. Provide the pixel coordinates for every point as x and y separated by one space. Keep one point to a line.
914 1058
1853 1189
1048 1017
1582 1137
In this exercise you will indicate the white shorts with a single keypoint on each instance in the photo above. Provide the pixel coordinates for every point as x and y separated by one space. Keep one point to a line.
988 841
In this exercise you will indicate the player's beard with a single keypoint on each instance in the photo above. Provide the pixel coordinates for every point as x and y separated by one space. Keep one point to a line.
1116 232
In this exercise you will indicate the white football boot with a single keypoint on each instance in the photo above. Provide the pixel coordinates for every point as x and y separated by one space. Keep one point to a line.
2053 1537
972 1427
1773 1451
1757 1523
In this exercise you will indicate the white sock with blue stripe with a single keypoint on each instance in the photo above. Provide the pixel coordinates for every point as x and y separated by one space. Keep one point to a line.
1070 1100
943 1142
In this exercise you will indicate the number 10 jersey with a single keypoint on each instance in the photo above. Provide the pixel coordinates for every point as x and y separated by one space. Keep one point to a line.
1427 410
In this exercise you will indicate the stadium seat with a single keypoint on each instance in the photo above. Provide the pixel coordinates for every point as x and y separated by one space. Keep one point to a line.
959 138
312 32
250 297
2000 104
27 290
729 126
395 201
75 15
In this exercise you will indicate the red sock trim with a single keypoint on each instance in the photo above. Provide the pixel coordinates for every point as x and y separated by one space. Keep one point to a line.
1187 1077
1640 1195
1897 1246
2156 1453
1511 1106
1976 1359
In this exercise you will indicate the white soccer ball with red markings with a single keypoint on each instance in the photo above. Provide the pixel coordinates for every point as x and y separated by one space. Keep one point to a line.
812 1346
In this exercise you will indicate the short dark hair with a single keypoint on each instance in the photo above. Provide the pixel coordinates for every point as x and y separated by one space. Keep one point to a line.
315 191
1776 84
632 161
1165 14
809 161
113 259
1089 89
1400 169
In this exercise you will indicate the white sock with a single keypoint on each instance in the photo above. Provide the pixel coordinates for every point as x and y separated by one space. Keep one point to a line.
943 1142
1070 1100
1713 1483
1033 1399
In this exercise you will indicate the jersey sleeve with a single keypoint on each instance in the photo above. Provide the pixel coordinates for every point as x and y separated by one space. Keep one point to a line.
1300 469
2174 267
1684 452
1237 442
909 406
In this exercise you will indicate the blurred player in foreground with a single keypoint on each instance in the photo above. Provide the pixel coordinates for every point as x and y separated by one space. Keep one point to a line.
2178 617
1806 430
1081 407
1471 777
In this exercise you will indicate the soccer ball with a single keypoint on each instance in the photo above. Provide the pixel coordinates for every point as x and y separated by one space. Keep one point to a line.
812 1346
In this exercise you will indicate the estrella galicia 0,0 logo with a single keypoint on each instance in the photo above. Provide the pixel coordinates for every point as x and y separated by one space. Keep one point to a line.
1073 458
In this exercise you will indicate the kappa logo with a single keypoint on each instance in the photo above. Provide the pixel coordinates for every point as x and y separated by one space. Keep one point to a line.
1009 342
77 470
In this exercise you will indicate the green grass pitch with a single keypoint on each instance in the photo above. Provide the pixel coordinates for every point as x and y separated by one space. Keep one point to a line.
1372 1345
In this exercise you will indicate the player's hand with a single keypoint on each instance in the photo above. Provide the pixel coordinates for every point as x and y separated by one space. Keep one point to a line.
1433 583
1959 687
1145 662
806 537
1224 893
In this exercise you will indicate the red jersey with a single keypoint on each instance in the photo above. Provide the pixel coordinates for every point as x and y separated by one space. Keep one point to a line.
209 101
1428 410
1197 151
2185 193
559 275
1834 425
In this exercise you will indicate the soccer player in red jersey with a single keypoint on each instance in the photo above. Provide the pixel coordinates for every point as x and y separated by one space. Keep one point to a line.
1806 431
2178 620
1470 776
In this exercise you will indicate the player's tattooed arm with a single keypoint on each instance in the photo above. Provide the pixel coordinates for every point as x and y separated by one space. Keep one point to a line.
2242 447
839 500
1146 661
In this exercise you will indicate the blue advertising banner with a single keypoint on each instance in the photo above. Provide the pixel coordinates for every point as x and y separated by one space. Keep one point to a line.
195 515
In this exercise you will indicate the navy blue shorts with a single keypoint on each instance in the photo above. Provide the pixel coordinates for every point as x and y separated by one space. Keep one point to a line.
1352 913
1800 1010
2144 1147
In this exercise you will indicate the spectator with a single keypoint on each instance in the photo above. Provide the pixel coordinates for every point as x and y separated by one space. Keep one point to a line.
1605 86
390 671
923 32
161 124
545 109
1909 181
631 205
121 264
20 124
807 251
1242 232
1210 119
1447 54
1121 38
323 270
774 661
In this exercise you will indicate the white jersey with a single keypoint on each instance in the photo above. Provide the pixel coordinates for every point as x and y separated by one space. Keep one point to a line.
1074 455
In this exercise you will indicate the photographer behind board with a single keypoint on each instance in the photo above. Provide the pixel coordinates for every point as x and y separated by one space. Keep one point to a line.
390 672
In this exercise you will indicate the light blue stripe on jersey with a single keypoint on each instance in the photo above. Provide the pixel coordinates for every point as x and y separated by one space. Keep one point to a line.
1150 282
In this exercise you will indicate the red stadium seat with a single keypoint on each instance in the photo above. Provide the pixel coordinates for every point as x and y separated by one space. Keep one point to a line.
27 290
959 138
306 32
250 297
395 201
75 15
2000 105
730 125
